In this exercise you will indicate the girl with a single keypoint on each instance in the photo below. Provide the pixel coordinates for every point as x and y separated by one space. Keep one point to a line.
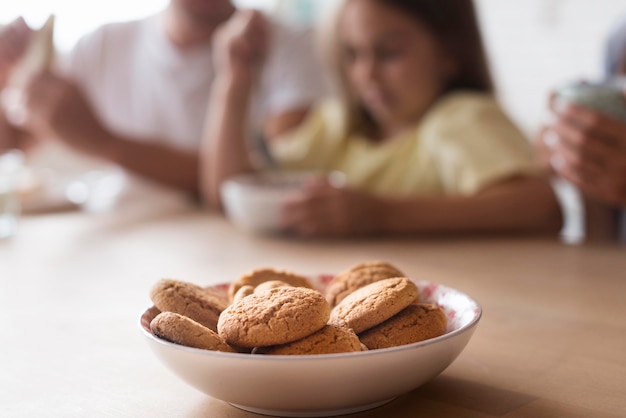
417 131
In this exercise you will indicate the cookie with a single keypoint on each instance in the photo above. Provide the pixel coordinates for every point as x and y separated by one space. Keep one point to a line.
374 304
330 339
273 317
417 322
256 277
243 291
269 285
200 304
358 276
185 331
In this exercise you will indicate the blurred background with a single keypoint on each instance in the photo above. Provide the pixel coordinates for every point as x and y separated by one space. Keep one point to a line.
533 46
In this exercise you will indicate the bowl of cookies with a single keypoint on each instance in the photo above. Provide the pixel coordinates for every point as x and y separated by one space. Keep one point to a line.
280 343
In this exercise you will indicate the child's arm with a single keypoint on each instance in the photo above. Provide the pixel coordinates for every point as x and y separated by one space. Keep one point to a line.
525 204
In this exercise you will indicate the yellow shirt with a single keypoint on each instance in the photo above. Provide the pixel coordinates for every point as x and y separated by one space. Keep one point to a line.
463 144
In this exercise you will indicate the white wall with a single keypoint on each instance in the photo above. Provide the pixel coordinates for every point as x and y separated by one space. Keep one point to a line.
76 17
535 45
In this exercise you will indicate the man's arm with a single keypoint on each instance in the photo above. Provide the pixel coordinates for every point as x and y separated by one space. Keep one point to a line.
149 159
14 39
57 108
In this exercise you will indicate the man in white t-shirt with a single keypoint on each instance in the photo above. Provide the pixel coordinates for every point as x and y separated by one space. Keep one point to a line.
136 93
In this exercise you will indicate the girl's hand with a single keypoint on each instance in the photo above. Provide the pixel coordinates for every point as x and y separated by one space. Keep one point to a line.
240 45
322 210
589 149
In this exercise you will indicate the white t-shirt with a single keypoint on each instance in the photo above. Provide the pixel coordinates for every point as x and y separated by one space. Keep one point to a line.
142 86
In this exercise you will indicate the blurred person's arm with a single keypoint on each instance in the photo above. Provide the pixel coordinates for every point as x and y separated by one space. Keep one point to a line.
14 39
12 137
542 150
589 150
519 205
600 220
241 48
58 109
576 148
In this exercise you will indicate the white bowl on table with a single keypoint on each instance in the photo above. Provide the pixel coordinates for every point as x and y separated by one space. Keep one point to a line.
322 385
254 201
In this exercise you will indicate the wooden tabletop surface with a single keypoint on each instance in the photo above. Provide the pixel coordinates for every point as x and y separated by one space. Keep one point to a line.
551 343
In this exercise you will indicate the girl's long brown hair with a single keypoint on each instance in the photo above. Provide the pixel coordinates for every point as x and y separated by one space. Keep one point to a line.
453 23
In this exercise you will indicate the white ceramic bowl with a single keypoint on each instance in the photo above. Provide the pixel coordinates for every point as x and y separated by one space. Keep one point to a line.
253 202
323 385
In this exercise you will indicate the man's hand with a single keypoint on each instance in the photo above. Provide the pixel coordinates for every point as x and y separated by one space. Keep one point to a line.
57 108
14 39
11 137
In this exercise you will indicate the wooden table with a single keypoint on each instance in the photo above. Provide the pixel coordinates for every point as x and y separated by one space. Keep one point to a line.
552 341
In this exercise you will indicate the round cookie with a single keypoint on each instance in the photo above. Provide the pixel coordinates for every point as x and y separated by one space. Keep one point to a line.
276 316
256 277
271 284
329 340
200 304
417 322
185 331
373 304
243 291
358 276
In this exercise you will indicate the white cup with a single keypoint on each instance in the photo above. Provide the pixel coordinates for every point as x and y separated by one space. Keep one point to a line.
606 97
11 164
